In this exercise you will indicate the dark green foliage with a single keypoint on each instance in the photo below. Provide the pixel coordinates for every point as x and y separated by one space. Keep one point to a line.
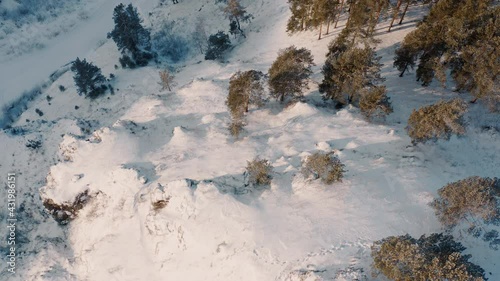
132 39
461 36
433 257
473 197
349 71
39 112
218 44
437 121
88 78
289 74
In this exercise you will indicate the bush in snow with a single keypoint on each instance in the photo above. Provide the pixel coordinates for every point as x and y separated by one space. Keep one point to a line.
88 78
374 103
259 172
433 257
437 121
289 73
473 197
324 166
65 212
218 44
132 39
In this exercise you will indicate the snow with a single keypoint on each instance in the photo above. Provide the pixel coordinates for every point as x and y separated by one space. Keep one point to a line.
142 144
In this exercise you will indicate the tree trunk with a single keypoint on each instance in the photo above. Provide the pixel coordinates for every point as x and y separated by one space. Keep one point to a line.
402 73
339 13
396 12
320 30
282 98
379 10
328 27
404 12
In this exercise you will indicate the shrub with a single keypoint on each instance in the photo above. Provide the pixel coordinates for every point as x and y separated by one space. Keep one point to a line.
324 166
218 44
289 74
375 103
474 197
62 88
259 172
433 257
437 121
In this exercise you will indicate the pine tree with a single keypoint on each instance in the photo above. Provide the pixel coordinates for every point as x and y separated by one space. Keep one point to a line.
289 73
218 44
130 36
300 19
88 78
462 36
348 71
237 14
245 88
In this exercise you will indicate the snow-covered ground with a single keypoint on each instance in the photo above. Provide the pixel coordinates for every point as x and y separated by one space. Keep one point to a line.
143 144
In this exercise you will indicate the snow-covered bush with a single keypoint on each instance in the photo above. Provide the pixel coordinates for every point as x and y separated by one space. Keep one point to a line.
473 197
218 44
169 45
324 166
259 171
433 257
437 121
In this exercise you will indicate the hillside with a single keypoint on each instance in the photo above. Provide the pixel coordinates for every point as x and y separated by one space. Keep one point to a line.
142 144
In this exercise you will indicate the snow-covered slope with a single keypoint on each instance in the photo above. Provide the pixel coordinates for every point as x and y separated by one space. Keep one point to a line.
142 145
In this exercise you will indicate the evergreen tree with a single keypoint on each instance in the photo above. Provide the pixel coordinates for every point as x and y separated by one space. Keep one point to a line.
300 19
130 36
289 73
348 71
218 44
462 36
237 14
88 78
245 88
